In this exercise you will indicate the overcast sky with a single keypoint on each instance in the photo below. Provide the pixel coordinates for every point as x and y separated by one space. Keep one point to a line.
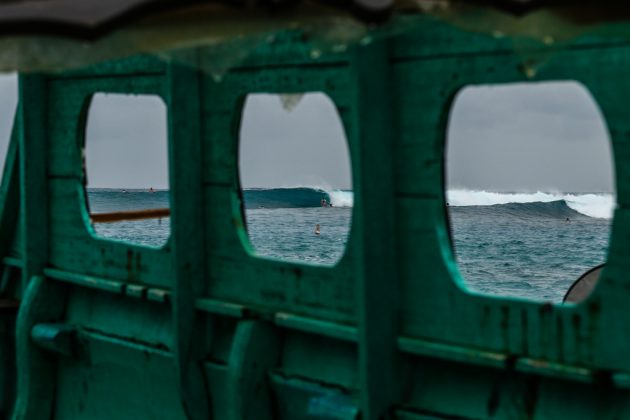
533 137
126 142
304 146
528 137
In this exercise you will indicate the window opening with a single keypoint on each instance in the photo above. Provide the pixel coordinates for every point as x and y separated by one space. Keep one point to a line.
295 176
530 190
126 164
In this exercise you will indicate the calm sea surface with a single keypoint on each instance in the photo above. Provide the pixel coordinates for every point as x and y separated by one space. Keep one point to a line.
532 249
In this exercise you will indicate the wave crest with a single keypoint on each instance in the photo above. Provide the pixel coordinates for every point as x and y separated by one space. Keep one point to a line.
297 197
599 206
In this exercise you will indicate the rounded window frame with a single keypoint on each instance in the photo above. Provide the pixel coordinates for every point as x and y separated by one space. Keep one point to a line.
448 248
81 137
237 204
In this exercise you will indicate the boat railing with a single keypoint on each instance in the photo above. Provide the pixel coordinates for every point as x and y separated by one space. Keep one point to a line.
120 216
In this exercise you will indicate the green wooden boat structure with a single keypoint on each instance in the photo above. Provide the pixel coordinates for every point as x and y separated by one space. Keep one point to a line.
203 328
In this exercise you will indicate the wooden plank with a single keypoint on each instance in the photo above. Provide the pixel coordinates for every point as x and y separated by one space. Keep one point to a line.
188 245
33 164
377 279
448 352
316 327
274 286
218 307
85 281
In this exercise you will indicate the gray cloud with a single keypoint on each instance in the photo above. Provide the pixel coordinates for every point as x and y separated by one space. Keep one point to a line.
126 142
521 137
302 147
528 137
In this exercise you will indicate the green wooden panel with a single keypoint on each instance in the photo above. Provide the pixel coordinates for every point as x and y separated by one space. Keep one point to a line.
33 167
188 244
203 326
586 401
520 327
285 289
302 399
122 317
139 382
329 361
75 244
271 285
377 283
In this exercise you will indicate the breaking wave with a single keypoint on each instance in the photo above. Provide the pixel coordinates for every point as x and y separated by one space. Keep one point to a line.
295 197
599 206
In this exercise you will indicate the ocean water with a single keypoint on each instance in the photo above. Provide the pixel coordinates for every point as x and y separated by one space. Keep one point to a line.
288 233
527 245
151 232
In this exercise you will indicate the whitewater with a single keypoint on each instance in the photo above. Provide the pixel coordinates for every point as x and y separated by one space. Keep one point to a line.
297 197
599 205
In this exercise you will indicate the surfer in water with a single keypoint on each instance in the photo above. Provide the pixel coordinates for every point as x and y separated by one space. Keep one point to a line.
317 232
151 190
567 221
323 202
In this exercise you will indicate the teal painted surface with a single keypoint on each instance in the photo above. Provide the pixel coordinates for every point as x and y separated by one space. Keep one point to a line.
202 328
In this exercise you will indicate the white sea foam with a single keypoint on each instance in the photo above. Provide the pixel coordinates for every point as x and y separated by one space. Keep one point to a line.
592 205
340 198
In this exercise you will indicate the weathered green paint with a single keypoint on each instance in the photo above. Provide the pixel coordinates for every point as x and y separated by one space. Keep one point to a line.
33 182
377 285
188 242
202 328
